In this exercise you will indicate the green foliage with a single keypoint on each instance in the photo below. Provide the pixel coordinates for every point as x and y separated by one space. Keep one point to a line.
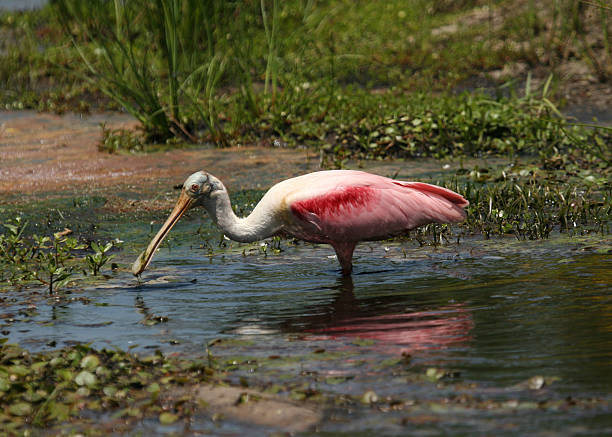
159 66
364 126
532 211
115 140
530 202
99 258
524 201
342 76
13 253
51 261
39 391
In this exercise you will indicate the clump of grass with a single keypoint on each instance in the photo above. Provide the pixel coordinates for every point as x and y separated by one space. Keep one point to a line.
146 58
526 201
523 209
531 211
530 203
115 140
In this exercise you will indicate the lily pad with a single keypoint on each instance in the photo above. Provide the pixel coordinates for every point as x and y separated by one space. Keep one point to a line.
21 409
5 385
166 418
59 411
153 388
90 362
85 378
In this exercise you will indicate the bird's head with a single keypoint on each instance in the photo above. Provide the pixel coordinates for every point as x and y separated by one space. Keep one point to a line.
199 189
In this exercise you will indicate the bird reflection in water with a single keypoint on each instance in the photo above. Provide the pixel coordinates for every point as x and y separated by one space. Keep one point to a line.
396 331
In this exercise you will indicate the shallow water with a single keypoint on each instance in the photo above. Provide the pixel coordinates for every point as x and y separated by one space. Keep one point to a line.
495 312
20 5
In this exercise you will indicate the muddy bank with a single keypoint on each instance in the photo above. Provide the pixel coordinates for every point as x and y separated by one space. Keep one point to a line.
45 152
45 155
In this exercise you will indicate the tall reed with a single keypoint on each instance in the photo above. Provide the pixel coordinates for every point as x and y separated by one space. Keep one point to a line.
603 63
271 30
155 59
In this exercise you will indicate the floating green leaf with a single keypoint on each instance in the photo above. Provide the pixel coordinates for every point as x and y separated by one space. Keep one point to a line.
21 409
166 418
90 362
85 378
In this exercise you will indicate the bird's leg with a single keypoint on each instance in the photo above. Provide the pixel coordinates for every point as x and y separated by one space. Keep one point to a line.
344 252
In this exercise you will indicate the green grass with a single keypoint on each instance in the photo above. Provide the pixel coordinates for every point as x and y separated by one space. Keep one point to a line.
235 72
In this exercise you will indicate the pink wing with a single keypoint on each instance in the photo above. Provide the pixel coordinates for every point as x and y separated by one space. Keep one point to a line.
354 206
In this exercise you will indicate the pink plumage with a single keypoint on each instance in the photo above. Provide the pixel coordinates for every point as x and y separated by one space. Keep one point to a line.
354 206
343 207
337 207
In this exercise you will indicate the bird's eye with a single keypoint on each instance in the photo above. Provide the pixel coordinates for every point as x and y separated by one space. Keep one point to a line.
195 188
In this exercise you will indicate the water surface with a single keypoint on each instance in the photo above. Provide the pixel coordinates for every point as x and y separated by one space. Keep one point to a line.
496 313
20 5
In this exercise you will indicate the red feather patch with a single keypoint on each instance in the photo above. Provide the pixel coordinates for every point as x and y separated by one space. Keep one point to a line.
333 204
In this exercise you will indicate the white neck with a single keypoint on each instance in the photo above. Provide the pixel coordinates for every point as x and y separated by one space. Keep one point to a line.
260 224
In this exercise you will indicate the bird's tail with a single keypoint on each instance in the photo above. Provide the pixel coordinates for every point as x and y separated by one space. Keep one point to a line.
444 205
449 195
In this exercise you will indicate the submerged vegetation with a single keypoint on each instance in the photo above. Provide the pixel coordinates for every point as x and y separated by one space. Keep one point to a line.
68 390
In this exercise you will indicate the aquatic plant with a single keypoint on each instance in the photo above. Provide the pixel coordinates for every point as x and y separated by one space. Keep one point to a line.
468 125
530 203
43 390
13 253
115 140
42 259
148 60
52 261
99 258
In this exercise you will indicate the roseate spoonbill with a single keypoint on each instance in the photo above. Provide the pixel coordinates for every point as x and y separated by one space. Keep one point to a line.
337 207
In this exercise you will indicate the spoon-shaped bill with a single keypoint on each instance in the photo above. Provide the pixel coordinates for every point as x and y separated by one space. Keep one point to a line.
183 204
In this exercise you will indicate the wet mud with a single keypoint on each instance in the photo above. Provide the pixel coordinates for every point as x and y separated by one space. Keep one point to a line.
42 153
